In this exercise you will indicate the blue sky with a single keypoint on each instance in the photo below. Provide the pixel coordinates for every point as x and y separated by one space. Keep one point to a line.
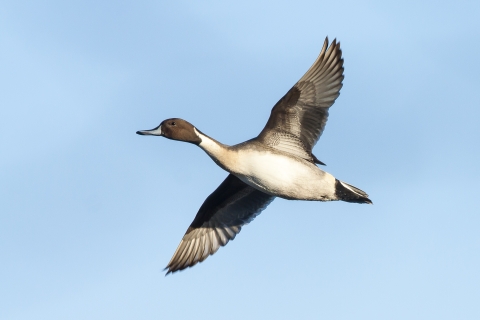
90 213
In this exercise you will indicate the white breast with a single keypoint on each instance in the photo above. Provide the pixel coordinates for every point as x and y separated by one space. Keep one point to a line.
284 176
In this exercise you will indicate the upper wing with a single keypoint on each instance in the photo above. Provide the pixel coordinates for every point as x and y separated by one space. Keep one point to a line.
222 215
298 119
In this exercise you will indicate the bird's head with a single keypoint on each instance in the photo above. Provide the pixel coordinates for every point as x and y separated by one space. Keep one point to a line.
175 129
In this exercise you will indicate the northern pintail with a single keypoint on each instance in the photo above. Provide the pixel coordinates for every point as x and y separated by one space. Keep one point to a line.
277 163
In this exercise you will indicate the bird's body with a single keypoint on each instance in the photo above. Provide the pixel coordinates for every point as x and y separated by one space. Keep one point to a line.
272 171
277 163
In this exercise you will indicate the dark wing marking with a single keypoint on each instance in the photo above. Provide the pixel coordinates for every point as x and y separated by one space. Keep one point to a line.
298 119
220 218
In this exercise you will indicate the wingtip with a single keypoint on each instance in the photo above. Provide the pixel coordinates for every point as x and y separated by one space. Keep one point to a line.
168 272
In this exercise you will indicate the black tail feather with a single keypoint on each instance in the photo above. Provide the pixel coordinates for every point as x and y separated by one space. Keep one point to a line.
349 193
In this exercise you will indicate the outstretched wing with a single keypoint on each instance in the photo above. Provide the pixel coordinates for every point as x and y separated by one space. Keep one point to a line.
232 205
298 119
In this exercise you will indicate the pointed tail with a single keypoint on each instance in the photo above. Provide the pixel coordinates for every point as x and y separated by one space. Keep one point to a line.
349 193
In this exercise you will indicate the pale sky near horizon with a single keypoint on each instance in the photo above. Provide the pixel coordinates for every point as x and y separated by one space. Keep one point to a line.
91 213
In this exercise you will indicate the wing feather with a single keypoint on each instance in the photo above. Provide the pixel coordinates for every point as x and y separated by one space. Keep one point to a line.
298 119
220 218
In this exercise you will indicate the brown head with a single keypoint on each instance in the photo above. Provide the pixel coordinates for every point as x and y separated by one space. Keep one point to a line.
175 129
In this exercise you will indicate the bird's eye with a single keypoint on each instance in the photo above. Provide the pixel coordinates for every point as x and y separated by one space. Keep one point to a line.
173 123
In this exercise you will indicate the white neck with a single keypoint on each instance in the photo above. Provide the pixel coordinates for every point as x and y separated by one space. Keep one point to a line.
219 152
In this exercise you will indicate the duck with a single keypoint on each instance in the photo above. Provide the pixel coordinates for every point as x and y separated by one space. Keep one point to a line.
277 163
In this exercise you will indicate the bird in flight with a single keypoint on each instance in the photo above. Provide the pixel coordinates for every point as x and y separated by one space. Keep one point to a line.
277 163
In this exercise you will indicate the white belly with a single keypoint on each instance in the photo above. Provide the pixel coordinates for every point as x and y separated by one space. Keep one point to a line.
285 176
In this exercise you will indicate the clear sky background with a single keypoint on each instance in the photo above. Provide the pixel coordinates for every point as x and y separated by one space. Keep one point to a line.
90 212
